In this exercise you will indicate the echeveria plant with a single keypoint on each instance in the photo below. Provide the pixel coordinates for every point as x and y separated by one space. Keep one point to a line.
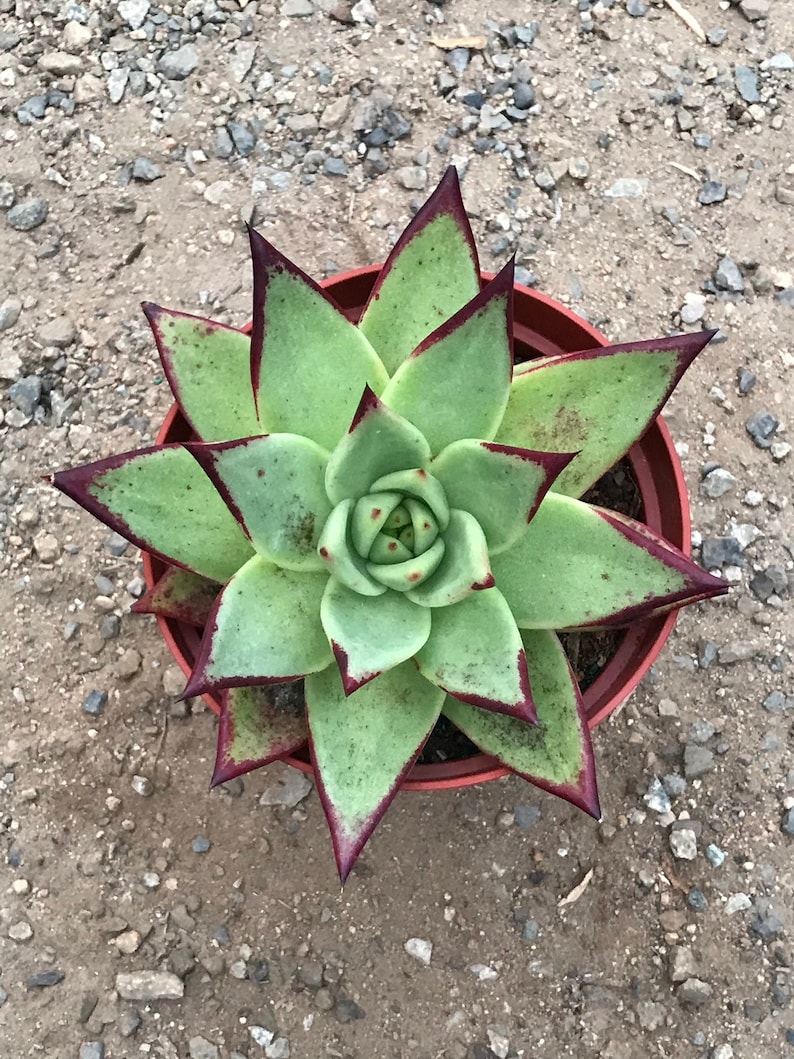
389 510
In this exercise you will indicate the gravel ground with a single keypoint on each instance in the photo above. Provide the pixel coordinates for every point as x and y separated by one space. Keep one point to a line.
642 170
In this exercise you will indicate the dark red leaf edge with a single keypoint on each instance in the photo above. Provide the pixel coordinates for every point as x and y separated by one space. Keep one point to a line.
346 853
75 481
522 711
699 583
200 683
266 259
446 198
193 609
226 769
500 286
552 464
349 683
153 313
205 452
688 347
583 792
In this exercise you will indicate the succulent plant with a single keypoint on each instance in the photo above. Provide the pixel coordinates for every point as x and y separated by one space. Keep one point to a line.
390 510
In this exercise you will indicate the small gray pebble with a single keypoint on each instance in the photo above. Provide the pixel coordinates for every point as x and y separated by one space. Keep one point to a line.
95 702
44 979
347 1010
715 37
242 138
224 145
334 167
146 171
747 381
526 815
728 277
27 215
129 1023
201 844
530 931
711 192
715 856
92 1050
761 427
746 84
696 900
179 64
25 393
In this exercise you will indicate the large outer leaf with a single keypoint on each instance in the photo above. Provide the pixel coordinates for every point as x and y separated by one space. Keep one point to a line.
500 485
598 402
179 594
265 629
275 485
370 634
475 652
430 274
208 369
557 755
363 745
579 565
161 500
309 364
254 730
456 383
378 442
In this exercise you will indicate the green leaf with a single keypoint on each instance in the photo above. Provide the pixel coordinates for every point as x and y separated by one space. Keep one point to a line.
499 485
377 443
255 728
579 566
265 629
598 402
362 747
371 634
181 595
208 370
420 485
275 485
411 573
160 499
431 273
309 363
340 556
556 755
475 653
457 382
464 567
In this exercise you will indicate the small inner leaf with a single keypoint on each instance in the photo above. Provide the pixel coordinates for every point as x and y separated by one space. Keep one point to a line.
420 485
369 516
409 574
337 551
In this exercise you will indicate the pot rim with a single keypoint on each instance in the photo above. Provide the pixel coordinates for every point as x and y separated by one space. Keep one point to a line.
644 639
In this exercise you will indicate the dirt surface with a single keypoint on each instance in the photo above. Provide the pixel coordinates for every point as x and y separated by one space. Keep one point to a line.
115 121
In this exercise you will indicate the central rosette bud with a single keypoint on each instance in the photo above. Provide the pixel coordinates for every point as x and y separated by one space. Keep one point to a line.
393 537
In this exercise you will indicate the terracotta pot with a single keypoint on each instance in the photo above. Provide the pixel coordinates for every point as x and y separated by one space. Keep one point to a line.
542 327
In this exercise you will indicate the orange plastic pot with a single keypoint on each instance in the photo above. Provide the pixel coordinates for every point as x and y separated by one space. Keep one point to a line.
543 327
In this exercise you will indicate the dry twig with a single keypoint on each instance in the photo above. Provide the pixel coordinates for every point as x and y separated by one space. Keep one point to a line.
687 18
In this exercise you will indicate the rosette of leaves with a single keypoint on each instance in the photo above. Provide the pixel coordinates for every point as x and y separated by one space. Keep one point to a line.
390 510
